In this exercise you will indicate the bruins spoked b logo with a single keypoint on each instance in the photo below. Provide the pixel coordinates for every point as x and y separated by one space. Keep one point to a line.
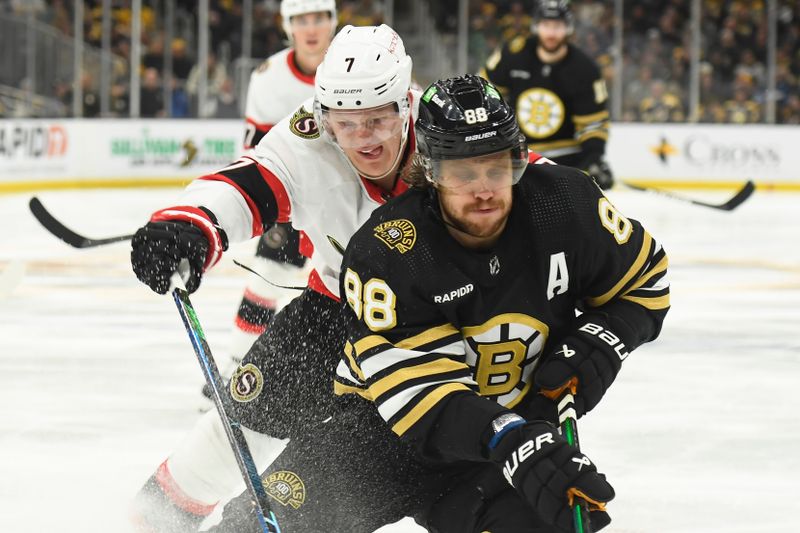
400 235
246 383
540 113
286 487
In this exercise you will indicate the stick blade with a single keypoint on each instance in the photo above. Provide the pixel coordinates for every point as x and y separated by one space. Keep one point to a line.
739 198
59 230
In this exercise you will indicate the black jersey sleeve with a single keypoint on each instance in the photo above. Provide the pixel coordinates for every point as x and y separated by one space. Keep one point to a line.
623 271
590 108
404 356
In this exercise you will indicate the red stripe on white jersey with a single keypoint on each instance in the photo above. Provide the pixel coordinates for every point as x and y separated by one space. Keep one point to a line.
197 218
305 78
177 496
315 283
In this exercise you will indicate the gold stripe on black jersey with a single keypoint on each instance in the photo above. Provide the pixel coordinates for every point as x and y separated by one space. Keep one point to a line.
431 368
585 120
553 145
351 362
425 405
507 318
429 336
340 389
654 304
641 260
594 134
660 267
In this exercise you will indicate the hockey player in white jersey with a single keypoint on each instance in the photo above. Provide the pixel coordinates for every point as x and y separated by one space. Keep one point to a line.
324 168
276 88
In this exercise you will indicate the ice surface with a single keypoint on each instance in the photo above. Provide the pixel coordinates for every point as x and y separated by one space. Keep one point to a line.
98 381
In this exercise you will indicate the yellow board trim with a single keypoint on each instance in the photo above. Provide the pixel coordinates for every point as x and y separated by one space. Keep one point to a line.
439 366
703 184
427 403
644 253
100 183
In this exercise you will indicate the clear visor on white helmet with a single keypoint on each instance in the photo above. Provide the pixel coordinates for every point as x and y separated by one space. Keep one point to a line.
364 128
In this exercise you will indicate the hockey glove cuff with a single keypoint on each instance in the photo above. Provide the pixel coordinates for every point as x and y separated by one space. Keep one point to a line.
172 235
547 472
593 354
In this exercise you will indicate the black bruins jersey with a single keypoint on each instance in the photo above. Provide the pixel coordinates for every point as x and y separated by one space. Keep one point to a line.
561 107
429 320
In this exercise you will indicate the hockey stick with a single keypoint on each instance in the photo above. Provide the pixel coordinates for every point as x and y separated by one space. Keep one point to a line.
266 518
568 423
58 229
735 201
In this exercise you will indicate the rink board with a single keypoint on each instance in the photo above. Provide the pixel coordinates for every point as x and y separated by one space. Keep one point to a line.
57 154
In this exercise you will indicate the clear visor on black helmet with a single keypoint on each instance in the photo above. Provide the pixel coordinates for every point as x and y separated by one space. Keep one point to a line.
488 172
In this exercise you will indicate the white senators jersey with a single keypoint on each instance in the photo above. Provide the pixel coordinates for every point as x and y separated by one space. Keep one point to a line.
276 88
296 175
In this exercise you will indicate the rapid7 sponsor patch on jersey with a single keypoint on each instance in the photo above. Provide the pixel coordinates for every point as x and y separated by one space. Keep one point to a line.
452 295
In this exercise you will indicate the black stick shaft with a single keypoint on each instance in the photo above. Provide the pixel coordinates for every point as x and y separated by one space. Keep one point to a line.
735 201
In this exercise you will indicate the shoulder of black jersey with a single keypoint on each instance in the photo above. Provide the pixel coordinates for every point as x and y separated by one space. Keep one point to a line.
581 62
559 185
392 228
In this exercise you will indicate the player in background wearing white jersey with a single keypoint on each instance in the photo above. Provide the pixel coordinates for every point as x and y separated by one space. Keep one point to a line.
276 88
325 168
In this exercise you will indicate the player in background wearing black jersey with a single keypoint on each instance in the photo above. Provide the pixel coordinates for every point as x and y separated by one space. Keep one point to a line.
558 92
460 301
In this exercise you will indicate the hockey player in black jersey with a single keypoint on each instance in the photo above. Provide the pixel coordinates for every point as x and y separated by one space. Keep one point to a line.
459 300
558 92
462 299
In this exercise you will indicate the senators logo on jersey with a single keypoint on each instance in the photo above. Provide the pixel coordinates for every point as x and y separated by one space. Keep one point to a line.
246 383
303 124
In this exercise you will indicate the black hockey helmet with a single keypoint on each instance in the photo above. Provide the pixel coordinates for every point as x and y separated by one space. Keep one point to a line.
553 10
464 117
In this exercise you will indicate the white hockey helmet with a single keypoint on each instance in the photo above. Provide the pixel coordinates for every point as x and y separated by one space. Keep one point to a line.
365 67
292 8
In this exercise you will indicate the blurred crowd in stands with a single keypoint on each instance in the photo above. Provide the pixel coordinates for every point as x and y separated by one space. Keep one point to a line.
657 41
655 74
225 35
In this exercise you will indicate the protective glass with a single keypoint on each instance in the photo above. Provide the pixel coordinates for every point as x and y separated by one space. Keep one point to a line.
477 174
360 128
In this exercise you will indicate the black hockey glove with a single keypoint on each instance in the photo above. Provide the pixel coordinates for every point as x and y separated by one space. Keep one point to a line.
547 472
601 173
592 353
171 235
